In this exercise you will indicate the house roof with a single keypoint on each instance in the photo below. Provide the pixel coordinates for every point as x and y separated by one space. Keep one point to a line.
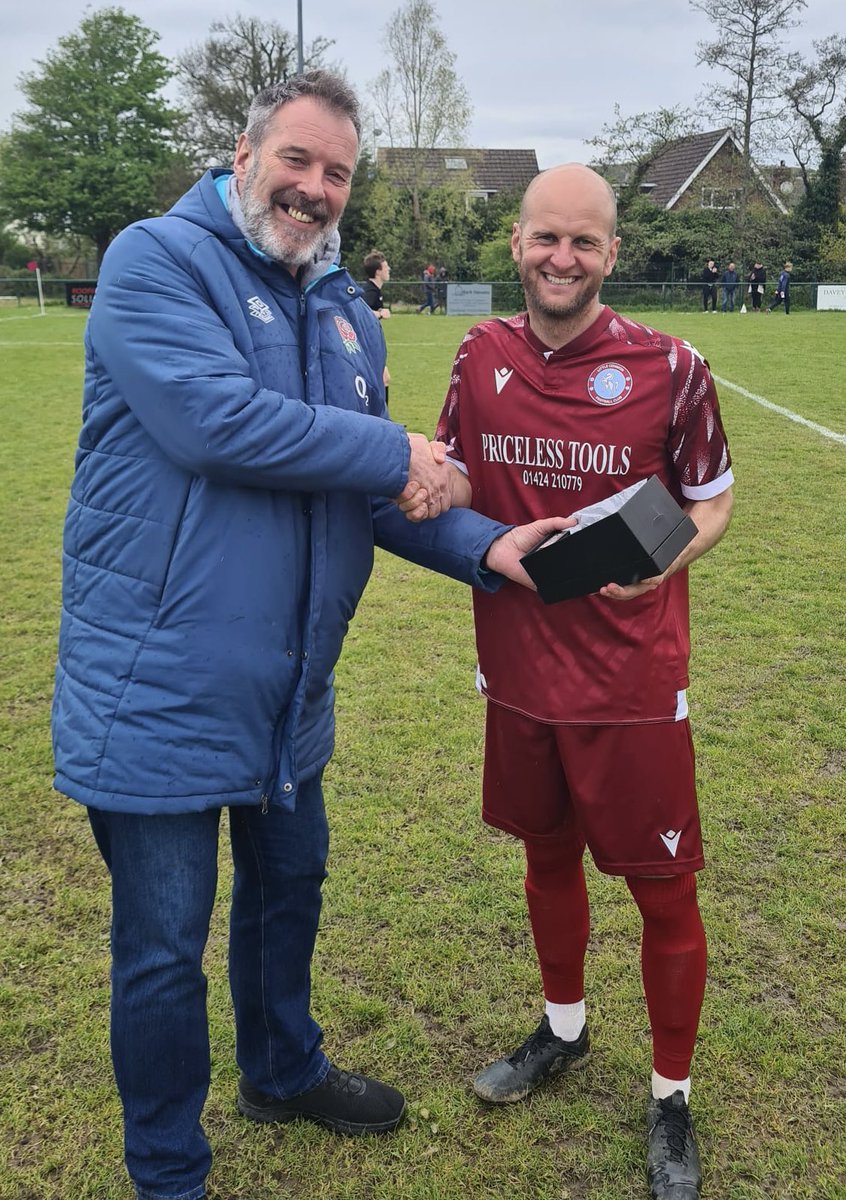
478 169
676 168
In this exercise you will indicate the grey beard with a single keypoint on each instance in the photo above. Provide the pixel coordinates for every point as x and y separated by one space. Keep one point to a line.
290 247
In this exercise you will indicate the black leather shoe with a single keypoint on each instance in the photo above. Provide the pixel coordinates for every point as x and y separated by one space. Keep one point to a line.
672 1160
342 1102
541 1056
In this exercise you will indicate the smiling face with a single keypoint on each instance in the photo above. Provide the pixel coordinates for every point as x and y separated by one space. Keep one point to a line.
295 184
564 246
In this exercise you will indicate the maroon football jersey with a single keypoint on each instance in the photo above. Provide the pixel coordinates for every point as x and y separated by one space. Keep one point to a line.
542 433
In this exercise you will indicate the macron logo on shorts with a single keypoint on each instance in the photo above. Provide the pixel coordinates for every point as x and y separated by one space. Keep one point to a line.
671 840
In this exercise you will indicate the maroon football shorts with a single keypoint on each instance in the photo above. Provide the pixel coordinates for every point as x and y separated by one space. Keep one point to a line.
627 791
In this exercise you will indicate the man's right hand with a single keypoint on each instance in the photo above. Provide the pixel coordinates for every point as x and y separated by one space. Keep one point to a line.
428 477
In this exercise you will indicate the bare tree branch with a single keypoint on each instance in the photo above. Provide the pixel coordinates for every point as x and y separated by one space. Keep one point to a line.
219 78
748 49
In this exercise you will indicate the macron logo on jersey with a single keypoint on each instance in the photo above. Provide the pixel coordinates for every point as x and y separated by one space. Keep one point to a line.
501 377
260 310
671 840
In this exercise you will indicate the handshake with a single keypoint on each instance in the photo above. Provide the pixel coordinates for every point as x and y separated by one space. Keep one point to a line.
433 485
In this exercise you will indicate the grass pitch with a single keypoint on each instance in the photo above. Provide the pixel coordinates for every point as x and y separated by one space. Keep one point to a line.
424 969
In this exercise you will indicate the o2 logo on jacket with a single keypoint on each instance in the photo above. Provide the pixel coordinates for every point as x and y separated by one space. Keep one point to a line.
361 390
609 384
349 338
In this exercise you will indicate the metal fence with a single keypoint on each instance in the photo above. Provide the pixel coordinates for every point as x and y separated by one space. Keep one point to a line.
507 296
406 295
23 291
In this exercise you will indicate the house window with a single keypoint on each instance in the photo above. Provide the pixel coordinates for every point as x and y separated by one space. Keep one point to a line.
475 196
455 164
720 197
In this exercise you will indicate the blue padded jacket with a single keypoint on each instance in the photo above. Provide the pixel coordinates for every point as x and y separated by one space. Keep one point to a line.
230 483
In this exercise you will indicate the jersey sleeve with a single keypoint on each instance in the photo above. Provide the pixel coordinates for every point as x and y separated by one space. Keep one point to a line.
698 443
449 422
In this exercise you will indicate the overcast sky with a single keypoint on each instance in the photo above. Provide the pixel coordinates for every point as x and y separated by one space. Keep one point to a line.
542 74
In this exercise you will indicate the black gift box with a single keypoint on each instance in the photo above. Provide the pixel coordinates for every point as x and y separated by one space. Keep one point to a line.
643 534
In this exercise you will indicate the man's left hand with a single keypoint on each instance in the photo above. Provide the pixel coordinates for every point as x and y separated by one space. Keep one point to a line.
504 554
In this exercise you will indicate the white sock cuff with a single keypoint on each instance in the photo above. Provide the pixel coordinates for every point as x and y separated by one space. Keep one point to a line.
663 1088
566 1020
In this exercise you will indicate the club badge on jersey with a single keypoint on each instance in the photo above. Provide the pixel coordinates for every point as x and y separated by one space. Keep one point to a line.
349 338
609 384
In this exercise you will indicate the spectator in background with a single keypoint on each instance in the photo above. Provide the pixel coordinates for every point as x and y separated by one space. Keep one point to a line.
378 272
757 280
782 295
729 281
428 290
709 285
442 289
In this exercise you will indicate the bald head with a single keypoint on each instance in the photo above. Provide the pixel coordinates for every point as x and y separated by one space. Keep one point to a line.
568 184
565 246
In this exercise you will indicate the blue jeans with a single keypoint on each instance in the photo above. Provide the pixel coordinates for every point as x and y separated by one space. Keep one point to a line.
164 876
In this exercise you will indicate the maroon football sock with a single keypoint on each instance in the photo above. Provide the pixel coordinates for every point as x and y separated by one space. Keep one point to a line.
673 961
560 916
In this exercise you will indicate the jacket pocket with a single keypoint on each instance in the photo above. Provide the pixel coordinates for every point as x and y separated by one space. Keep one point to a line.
174 541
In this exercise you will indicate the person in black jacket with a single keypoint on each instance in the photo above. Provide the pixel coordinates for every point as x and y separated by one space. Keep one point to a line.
709 285
757 280
378 272
441 289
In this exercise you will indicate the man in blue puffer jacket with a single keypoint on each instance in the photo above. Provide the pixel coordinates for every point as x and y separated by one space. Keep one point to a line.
234 470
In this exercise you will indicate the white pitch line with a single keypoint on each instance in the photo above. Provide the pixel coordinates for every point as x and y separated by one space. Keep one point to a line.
37 316
4 343
783 412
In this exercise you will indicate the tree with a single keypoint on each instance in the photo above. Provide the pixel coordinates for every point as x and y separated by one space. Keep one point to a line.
87 155
377 217
14 255
748 48
219 78
817 98
629 145
496 261
420 100
832 251
660 244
